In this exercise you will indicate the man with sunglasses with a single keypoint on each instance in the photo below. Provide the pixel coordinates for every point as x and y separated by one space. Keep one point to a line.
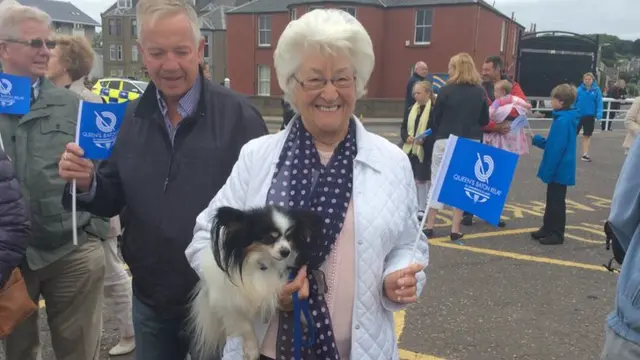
68 277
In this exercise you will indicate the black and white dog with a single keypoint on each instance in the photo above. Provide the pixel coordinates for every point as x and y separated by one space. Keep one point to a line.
252 255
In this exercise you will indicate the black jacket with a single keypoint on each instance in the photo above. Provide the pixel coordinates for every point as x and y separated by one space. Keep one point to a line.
460 110
287 113
14 221
165 187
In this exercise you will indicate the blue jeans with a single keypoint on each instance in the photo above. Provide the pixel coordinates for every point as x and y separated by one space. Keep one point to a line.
161 337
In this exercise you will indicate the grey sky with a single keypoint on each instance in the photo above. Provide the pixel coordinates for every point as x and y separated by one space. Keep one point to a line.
616 17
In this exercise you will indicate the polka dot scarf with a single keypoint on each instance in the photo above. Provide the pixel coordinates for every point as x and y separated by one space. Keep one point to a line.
301 181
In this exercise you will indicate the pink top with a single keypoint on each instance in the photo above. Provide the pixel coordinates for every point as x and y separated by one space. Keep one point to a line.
340 272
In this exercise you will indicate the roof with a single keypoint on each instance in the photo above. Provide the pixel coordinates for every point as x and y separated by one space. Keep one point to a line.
114 10
272 6
61 11
202 6
215 19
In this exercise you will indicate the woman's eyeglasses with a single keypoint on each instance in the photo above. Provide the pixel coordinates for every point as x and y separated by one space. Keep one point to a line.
320 83
34 43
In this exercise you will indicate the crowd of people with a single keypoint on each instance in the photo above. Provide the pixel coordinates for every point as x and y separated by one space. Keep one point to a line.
188 147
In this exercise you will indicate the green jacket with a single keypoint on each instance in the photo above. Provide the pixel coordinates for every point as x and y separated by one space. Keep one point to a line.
35 143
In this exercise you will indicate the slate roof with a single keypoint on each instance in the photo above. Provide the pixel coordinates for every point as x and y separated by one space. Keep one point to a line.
61 11
272 6
215 19
202 6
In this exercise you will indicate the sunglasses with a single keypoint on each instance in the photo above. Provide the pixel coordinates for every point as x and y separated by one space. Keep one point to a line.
35 43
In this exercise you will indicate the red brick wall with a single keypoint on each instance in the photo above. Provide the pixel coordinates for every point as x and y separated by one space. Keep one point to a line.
453 31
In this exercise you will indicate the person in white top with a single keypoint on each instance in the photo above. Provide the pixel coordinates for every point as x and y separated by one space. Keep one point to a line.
360 183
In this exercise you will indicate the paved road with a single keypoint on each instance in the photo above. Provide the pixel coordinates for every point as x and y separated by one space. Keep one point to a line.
503 296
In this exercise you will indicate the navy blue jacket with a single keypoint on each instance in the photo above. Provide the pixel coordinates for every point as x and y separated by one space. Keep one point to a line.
15 227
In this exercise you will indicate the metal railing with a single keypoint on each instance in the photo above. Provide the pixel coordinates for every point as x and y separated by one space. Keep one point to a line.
541 109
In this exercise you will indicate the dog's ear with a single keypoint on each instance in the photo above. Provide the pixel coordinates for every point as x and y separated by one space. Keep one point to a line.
310 222
230 217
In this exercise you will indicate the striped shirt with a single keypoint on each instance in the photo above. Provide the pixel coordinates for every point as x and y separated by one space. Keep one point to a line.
187 105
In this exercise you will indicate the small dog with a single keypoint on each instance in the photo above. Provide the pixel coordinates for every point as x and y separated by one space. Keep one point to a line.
253 253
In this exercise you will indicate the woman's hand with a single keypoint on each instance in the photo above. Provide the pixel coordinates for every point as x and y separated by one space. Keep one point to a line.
299 284
400 286
503 127
410 140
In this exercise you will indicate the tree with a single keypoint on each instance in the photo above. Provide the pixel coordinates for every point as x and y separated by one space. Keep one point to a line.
97 40
635 48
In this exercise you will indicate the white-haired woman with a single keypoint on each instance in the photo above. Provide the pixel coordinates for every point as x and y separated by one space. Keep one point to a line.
323 62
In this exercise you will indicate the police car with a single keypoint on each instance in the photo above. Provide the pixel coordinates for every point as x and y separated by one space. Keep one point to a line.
115 90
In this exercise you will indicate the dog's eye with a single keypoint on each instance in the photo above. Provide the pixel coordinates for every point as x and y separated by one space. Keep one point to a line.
274 235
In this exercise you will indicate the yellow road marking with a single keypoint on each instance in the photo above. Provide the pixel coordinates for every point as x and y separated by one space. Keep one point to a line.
398 318
444 242
410 355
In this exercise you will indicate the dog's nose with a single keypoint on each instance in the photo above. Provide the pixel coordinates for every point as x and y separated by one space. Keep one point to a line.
284 252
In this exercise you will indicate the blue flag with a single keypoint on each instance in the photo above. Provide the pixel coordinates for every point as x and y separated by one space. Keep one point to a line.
15 94
98 126
475 177
519 123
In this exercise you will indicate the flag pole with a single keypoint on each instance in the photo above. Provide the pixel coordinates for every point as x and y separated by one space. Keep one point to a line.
74 211
74 217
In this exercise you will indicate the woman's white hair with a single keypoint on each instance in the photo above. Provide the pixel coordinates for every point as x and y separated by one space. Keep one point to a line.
151 10
14 15
327 31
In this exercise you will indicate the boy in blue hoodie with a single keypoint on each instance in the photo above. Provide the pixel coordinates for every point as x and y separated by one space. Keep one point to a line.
622 340
558 165
589 104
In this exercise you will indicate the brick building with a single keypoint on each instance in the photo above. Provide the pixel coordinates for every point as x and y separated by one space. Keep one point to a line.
402 32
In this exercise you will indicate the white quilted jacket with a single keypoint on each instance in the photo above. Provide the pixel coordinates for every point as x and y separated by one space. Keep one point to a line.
385 206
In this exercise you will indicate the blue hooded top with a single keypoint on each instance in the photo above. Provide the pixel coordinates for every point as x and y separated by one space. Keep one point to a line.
558 163
589 101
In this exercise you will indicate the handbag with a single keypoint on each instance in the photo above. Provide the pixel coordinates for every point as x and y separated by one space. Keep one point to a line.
15 303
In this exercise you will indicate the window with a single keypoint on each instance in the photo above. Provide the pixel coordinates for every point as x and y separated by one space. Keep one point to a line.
126 86
516 35
264 80
206 46
115 27
424 21
119 52
349 9
124 4
112 53
134 53
264 30
503 36
134 27
292 14
78 30
115 85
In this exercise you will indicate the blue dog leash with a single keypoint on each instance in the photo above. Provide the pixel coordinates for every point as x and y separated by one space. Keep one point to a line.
301 307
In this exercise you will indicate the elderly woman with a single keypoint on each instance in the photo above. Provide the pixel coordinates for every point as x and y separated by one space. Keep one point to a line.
323 61
69 64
